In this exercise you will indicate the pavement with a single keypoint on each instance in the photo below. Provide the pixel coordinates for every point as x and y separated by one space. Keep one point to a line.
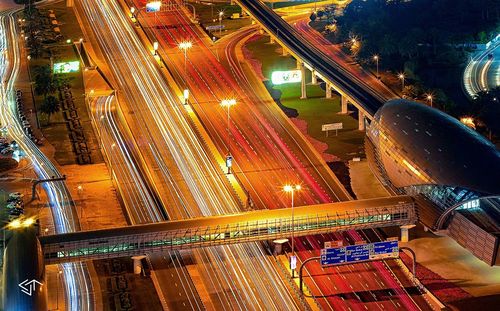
452 262
95 196
363 183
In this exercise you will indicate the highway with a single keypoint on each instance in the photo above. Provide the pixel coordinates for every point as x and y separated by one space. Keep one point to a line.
258 130
178 162
359 91
335 53
78 287
483 71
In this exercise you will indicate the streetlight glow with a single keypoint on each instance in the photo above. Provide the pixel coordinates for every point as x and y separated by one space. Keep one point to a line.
28 222
402 77
228 102
15 224
429 97
155 47
185 46
376 58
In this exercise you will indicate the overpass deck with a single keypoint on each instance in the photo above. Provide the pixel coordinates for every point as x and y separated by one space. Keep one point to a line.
228 229
358 92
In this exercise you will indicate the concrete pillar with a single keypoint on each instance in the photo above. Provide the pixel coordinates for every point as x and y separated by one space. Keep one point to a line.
405 236
303 83
328 89
278 246
137 263
314 79
343 103
361 120
285 51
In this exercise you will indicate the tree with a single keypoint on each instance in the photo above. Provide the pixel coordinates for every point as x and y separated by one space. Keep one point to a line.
50 105
46 82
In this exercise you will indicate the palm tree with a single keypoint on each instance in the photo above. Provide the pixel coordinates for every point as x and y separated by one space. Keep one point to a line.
50 105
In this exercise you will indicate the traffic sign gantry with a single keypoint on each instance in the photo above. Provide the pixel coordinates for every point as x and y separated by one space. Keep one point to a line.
358 253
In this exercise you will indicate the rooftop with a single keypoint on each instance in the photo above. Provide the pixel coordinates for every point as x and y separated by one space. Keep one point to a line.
450 152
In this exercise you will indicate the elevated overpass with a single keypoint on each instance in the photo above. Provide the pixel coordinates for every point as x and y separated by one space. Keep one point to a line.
259 225
351 89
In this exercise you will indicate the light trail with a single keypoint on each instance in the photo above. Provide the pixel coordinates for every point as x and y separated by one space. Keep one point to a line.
164 126
76 276
482 72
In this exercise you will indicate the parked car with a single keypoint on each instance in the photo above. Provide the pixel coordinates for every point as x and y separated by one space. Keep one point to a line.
16 195
16 212
15 204
7 150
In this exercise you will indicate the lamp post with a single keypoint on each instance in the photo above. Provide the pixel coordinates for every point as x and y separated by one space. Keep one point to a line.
291 189
155 48
401 76
221 14
185 46
186 96
376 58
57 291
430 98
132 11
228 103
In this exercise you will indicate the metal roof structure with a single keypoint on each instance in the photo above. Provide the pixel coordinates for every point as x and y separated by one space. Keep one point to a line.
445 149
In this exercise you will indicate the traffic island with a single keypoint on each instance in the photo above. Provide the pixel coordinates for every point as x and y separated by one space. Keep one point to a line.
309 115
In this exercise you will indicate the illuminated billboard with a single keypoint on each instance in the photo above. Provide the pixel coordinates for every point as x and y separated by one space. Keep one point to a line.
282 77
66 67
153 6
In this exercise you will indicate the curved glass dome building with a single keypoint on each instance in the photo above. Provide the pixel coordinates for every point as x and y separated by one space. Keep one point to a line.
445 165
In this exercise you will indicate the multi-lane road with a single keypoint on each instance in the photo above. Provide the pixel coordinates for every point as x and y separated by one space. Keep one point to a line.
267 152
188 181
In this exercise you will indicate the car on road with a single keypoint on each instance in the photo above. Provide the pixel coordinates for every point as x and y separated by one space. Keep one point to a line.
7 150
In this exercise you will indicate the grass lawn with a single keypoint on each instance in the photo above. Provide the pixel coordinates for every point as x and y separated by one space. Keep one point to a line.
316 110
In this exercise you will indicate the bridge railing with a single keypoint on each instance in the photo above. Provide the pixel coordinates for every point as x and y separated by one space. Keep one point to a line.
240 232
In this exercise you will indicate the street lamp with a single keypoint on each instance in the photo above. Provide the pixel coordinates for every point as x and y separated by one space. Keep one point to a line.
185 46
228 103
376 58
186 96
221 14
132 11
291 189
57 291
401 76
16 224
429 97
155 48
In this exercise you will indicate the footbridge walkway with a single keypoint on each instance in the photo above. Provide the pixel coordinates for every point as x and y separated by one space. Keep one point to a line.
243 227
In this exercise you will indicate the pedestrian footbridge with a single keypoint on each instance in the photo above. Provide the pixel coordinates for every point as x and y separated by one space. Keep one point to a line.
243 227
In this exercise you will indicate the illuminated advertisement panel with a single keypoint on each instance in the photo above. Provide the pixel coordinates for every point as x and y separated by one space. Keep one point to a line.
66 67
153 6
282 77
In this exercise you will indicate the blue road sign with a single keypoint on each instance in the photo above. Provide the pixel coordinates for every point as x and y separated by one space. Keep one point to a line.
357 253
332 256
